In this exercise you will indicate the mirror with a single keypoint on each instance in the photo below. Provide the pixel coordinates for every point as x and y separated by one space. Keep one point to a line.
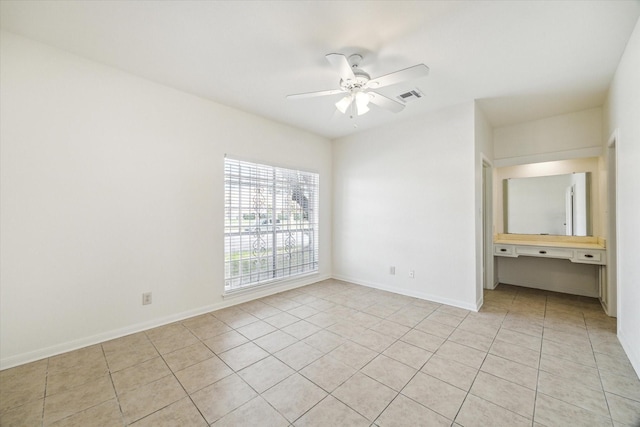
555 205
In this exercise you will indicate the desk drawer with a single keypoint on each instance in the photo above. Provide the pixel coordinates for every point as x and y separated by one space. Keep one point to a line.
544 252
504 250
596 257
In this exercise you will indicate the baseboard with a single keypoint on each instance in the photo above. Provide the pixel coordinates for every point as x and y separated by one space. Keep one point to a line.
633 353
32 356
605 307
421 295
54 350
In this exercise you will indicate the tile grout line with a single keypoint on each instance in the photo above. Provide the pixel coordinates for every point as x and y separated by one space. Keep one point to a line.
535 397
44 397
351 376
453 420
360 369
479 370
294 371
235 373
77 385
115 392
174 376
398 392
604 392
317 385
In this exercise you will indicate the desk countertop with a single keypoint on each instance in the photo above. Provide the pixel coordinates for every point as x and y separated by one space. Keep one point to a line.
549 241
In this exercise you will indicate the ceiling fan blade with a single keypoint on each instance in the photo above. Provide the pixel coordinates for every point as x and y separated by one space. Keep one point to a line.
410 73
341 65
314 94
386 103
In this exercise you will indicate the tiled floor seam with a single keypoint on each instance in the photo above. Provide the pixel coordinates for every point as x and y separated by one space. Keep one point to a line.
419 371
293 373
162 356
477 373
535 396
115 392
185 390
46 383
385 408
394 398
397 392
272 407
597 368
600 377
258 394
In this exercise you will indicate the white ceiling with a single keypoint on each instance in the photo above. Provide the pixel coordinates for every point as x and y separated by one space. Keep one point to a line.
523 59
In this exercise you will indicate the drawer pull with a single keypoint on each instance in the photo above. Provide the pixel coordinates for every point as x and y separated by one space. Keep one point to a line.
588 256
503 250
543 252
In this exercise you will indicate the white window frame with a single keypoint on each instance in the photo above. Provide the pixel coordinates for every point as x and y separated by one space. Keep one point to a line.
271 224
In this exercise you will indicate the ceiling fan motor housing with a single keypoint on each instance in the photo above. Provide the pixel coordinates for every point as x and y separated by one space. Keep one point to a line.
361 77
360 82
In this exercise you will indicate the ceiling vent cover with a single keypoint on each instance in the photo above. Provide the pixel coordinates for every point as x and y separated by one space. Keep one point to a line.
412 95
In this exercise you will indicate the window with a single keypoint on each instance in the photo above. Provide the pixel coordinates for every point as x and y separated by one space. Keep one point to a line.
271 223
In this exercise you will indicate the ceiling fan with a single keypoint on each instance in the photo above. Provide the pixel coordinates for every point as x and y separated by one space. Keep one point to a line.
358 85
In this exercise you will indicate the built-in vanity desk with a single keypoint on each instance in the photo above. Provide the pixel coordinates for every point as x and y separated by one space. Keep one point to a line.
583 250
547 218
577 250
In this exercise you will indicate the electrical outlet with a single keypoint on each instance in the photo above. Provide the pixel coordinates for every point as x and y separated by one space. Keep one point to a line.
412 274
146 298
392 270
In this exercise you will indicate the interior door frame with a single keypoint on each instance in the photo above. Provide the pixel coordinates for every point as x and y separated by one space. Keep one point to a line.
613 297
488 281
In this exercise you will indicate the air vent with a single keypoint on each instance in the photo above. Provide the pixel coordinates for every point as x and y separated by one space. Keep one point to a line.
412 95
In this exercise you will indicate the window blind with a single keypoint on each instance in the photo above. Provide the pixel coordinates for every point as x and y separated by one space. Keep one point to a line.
271 223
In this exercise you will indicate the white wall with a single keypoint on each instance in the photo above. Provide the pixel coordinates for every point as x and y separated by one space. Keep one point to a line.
566 136
113 186
483 134
622 111
404 196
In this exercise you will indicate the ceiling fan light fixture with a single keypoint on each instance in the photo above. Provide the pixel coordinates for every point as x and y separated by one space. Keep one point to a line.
344 103
362 110
355 83
362 102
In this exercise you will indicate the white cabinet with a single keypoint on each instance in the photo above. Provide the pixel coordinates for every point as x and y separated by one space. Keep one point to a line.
582 256
588 251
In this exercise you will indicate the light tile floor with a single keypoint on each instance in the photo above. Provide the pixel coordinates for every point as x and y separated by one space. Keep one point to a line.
338 354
